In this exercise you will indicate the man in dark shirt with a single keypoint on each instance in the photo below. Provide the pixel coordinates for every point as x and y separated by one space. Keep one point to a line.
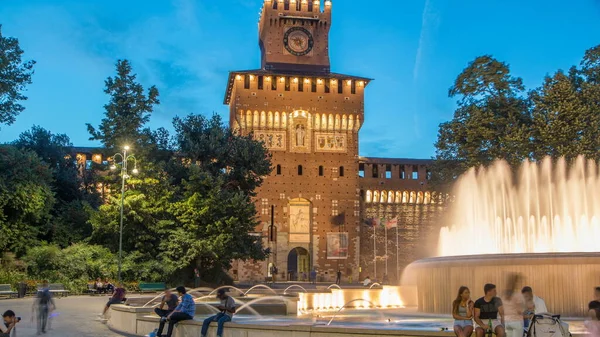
170 300
487 310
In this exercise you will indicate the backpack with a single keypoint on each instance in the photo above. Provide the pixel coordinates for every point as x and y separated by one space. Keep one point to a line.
44 296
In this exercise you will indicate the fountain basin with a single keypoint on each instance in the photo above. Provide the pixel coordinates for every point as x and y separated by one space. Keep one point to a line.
564 280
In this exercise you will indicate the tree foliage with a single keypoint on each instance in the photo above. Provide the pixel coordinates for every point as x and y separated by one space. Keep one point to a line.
15 75
74 199
492 120
495 119
127 111
26 199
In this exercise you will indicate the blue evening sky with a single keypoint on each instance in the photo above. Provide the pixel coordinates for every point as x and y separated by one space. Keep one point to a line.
414 49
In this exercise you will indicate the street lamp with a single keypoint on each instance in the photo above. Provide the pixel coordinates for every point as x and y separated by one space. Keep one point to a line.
124 159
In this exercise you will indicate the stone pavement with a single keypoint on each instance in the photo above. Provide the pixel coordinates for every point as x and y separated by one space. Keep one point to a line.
77 317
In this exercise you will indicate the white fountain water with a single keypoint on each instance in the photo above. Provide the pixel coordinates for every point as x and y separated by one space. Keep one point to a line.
548 207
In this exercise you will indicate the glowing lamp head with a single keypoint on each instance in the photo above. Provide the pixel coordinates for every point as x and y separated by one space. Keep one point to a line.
113 167
126 147
135 171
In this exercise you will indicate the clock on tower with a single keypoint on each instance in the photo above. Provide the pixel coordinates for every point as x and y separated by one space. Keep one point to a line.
294 35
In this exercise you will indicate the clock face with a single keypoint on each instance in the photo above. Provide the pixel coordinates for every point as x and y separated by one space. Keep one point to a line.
298 41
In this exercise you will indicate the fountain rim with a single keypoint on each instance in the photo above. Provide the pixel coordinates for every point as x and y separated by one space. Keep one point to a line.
506 257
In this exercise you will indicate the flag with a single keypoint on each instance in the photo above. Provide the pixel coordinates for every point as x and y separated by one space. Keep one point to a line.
369 223
377 222
392 223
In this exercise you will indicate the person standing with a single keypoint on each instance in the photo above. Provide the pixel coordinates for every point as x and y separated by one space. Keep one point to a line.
462 312
43 304
227 307
592 322
513 309
170 300
597 294
487 310
338 279
184 311
313 276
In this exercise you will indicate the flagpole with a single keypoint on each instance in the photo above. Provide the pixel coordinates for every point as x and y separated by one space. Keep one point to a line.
386 250
375 251
397 257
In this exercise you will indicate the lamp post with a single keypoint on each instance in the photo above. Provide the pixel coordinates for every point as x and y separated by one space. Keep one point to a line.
124 159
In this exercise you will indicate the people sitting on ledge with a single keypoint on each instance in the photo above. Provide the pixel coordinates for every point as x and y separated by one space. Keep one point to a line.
367 281
184 311
227 307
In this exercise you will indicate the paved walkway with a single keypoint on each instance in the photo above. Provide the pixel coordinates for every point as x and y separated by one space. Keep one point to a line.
77 317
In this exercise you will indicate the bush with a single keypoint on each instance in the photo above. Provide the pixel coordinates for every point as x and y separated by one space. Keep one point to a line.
73 266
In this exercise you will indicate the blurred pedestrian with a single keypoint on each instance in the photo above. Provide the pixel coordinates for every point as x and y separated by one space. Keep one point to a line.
44 304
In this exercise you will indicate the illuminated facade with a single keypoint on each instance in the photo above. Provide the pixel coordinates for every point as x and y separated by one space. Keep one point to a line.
309 118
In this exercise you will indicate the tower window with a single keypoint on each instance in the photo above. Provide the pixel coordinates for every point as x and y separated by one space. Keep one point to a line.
388 171
402 172
361 170
286 5
298 6
261 80
313 86
340 87
327 87
415 172
246 81
353 87
301 85
287 83
274 83
341 171
428 174
375 171
310 6
321 171
299 170
278 170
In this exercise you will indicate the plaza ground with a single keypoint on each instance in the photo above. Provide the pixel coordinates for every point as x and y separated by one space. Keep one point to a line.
77 317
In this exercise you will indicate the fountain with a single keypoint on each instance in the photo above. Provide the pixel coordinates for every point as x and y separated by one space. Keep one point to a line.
545 225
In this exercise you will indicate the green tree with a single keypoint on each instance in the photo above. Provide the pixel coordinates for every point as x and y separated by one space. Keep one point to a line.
215 214
127 112
74 200
563 124
15 75
492 121
26 199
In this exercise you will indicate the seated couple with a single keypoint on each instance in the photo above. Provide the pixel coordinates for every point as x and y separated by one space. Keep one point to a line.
186 310
493 315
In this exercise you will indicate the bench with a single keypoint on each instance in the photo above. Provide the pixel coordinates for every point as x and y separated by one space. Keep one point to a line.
6 289
91 289
152 287
56 288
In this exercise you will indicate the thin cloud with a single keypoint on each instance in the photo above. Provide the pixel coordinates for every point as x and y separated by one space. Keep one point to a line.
429 23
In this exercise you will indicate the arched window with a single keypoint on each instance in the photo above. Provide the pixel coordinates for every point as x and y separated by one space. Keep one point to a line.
321 171
341 171
299 170
278 170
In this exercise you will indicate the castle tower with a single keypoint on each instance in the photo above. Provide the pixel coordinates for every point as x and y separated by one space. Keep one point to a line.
309 118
